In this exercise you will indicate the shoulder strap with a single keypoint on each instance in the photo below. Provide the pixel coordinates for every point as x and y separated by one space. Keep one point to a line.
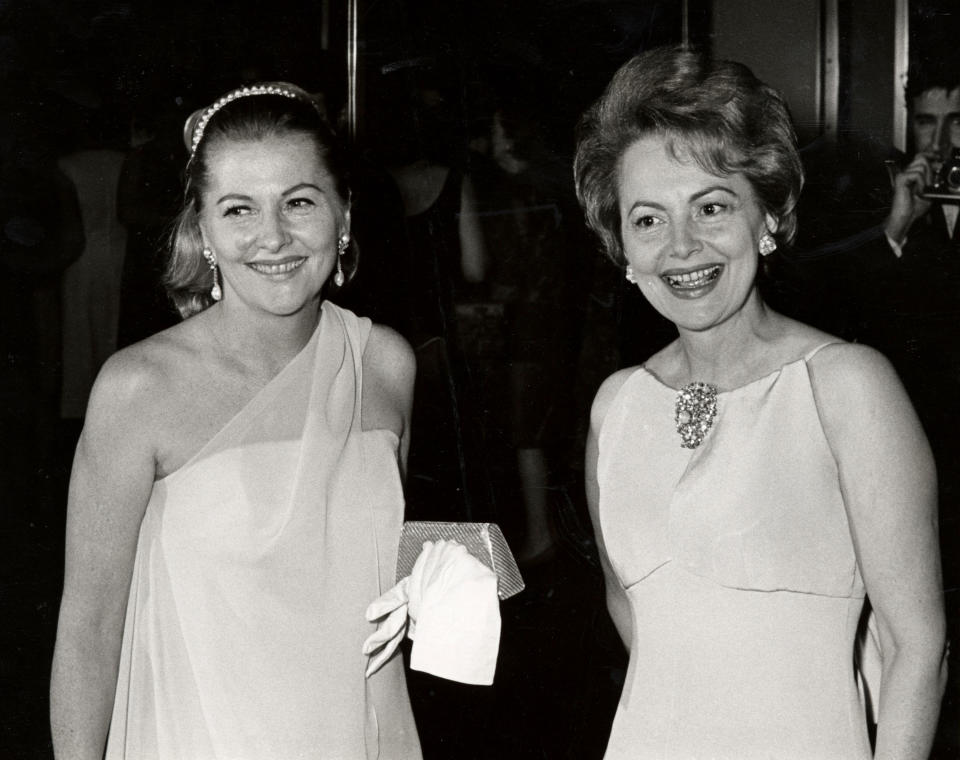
356 333
814 351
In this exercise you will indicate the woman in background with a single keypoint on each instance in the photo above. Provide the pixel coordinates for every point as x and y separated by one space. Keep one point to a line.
531 223
754 480
447 479
90 288
236 497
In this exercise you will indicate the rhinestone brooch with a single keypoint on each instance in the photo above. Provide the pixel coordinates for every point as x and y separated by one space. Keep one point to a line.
695 410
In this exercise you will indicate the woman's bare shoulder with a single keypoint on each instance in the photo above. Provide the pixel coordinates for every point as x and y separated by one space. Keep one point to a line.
389 355
851 368
860 398
389 369
143 374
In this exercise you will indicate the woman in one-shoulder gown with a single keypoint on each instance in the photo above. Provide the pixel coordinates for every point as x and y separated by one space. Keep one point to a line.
255 563
755 481
236 497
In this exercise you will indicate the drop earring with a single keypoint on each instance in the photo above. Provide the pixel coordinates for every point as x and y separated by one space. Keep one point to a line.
767 244
215 291
631 277
339 278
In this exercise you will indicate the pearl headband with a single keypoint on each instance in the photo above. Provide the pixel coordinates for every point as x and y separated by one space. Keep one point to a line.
197 123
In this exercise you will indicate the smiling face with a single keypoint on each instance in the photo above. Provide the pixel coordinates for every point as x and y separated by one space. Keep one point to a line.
271 214
691 237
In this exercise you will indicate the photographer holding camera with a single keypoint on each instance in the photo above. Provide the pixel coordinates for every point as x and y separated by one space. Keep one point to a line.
909 279
933 100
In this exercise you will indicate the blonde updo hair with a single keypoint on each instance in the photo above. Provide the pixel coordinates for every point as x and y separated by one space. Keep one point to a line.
248 114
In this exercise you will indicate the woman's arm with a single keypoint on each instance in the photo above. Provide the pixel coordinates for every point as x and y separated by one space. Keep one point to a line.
389 369
617 602
889 487
113 472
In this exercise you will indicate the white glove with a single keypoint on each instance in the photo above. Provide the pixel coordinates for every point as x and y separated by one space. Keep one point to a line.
396 610
449 606
391 610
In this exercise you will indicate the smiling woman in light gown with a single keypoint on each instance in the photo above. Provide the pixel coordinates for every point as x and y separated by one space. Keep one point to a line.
236 497
756 479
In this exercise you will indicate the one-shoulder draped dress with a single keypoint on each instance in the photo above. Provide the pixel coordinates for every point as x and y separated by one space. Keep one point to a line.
739 567
255 563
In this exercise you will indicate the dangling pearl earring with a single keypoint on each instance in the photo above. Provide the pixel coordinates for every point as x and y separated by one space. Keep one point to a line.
339 278
631 277
767 244
215 292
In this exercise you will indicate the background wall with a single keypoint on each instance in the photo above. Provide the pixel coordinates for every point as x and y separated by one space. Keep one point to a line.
868 71
780 42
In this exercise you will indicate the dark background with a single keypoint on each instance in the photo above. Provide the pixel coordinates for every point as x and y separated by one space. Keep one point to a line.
152 64
149 65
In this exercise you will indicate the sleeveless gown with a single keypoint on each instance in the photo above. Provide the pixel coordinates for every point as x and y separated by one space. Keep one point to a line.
737 561
255 563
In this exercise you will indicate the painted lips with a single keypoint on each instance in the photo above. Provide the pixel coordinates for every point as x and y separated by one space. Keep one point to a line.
694 279
280 267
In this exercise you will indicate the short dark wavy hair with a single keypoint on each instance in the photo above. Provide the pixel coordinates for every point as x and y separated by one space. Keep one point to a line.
932 72
187 276
718 112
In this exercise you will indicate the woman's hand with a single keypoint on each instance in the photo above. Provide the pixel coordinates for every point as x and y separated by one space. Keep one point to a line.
907 204
888 482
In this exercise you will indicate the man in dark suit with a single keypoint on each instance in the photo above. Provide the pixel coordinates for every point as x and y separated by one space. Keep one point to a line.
913 274
933 100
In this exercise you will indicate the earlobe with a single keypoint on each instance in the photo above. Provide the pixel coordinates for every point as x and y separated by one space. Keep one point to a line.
773 224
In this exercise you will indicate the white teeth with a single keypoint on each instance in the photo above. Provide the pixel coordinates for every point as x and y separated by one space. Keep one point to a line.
693 280
288 266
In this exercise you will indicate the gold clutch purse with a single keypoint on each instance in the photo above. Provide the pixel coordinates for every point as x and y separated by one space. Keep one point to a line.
484 541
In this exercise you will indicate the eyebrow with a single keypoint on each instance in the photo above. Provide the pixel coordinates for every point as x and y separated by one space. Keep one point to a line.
289 191
696 196
303 186
712 188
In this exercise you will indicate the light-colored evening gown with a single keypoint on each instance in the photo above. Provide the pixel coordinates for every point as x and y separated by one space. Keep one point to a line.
255 563
740 571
